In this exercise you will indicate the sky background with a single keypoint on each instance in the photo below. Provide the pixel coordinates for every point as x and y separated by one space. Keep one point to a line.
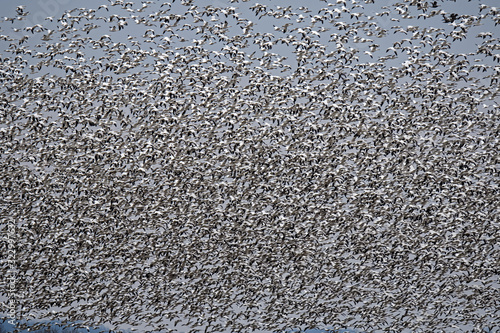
40 10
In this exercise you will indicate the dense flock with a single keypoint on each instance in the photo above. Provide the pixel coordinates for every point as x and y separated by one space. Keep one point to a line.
235 166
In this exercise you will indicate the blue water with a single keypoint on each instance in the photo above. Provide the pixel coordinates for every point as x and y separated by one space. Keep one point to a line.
7 327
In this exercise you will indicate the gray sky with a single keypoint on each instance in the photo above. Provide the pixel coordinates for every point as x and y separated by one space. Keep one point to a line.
40 10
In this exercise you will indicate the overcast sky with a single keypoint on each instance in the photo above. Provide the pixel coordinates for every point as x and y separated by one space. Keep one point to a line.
41 10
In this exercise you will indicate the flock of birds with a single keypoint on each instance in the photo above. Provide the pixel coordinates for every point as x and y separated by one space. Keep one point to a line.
254 167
